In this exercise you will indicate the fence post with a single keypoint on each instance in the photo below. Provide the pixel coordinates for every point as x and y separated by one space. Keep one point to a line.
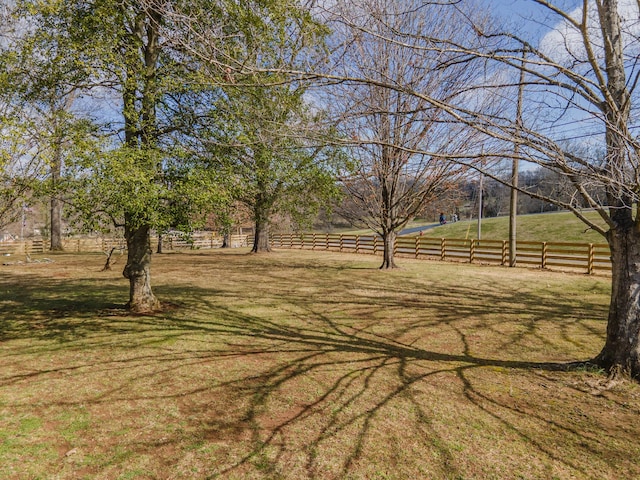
544 254
472 250
327 244
375 244
301 241
313 245
357 243
417 246
341 241
443 248
590 259
504 252
395 246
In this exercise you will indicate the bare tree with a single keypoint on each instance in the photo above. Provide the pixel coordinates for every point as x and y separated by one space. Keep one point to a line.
581 79
580 82
397 142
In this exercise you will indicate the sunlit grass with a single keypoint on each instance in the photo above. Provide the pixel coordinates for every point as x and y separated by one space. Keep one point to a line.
308 365
544 227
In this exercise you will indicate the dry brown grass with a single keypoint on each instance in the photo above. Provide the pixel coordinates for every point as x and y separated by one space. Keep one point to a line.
304 365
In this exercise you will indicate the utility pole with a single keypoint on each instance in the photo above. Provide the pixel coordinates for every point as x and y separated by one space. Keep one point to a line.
480 188
480 193
513 204
23 221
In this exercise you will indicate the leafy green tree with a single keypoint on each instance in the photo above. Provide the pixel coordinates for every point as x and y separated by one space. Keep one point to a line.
272 156
116 53
260 131
19 171
43 80
160 64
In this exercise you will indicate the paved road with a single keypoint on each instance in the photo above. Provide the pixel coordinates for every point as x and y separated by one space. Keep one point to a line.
409 231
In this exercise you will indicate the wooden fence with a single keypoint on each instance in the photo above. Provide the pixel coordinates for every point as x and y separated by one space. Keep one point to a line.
105 244
203 241
588 257
26 247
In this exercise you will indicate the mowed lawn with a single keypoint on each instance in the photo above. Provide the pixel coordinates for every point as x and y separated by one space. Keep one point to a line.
308 365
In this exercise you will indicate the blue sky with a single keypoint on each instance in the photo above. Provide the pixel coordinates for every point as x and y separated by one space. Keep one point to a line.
536 17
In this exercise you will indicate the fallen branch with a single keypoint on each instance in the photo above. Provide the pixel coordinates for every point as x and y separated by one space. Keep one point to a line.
108 263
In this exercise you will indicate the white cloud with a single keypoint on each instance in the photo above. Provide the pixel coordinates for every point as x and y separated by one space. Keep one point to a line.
565 43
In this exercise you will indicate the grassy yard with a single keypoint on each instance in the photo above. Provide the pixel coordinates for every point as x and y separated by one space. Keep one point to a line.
543 227
303 365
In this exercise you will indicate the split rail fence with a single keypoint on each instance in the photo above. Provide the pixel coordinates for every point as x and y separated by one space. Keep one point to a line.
588 257
105 244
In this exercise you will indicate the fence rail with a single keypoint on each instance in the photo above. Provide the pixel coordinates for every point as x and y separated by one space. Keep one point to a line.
106 244
588 257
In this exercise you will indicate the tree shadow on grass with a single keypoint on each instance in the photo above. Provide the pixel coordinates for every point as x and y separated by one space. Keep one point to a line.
312 379
61 310
350 390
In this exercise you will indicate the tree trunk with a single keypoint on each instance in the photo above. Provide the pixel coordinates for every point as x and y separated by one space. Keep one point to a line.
140 97
55 204
389 240
261 242
56 225
226 241
160 244
261 213
138 270
621 352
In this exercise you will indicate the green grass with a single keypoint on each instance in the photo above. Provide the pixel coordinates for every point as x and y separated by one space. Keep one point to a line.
307 365
544 227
